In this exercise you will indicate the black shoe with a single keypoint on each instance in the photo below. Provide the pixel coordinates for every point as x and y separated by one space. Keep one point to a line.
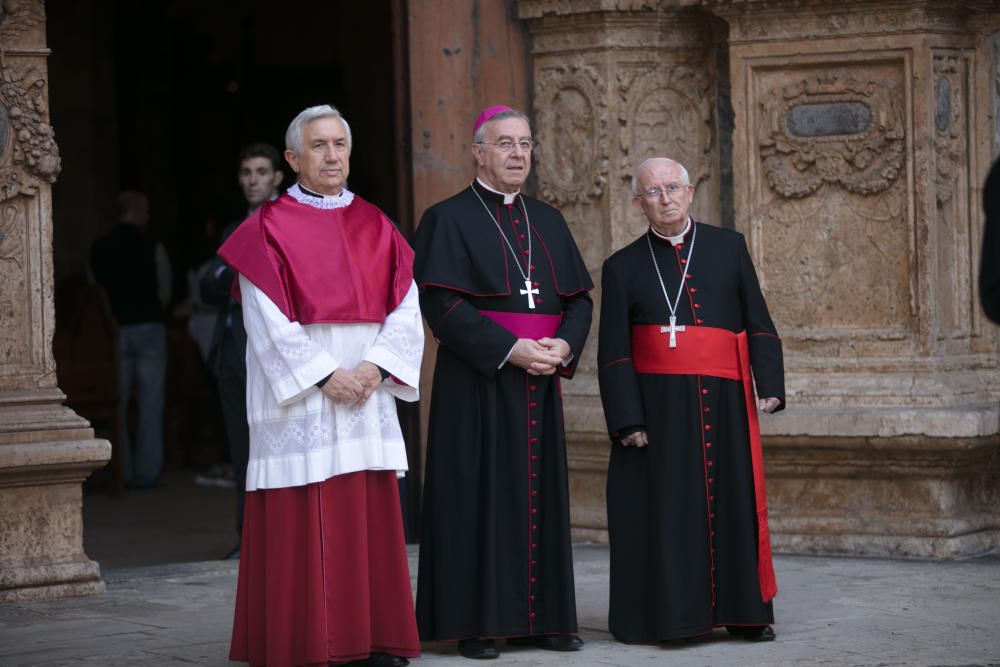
549 642
386 660
479 648
233 555
761 633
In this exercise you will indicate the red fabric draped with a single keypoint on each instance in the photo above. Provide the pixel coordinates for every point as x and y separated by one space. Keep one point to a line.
323 574
718 353
347 264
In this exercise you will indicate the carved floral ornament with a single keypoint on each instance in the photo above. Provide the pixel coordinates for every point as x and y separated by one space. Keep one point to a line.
572 149
832 129
29 154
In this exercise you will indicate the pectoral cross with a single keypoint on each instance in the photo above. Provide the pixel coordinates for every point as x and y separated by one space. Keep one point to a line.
530 292
673 329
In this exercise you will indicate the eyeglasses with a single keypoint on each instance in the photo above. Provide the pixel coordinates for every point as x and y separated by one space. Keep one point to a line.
506 145
671 189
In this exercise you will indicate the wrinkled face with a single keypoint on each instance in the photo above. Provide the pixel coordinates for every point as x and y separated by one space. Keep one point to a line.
663 197
504 170
323 161
259 180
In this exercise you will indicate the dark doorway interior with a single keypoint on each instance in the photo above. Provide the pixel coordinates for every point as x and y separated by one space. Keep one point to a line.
161 96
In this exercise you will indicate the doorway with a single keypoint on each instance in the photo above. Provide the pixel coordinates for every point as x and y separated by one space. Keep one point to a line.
161 97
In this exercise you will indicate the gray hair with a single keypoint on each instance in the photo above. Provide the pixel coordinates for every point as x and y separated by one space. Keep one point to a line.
480 135
293 136
685 179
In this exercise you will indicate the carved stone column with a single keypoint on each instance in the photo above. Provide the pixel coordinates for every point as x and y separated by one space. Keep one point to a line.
46 450
862 136
615 83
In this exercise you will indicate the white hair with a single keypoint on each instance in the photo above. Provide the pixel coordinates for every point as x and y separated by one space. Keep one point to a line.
480 134
293 136
685 179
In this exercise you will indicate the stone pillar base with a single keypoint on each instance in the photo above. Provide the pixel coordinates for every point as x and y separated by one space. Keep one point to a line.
46 452
901 497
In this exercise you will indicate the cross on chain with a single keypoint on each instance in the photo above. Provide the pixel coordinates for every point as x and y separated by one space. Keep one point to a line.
673 329
530 292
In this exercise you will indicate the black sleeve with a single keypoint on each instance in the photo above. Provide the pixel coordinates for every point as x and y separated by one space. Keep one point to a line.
217 283
989 267
458 326
578 311
766 357
618 380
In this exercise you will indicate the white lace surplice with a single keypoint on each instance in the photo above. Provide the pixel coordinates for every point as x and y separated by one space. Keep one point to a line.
297 434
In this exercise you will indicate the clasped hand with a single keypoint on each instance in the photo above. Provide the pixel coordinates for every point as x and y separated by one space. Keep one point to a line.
539 357
353 387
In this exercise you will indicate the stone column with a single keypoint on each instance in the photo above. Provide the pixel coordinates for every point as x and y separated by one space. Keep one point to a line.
862 136
615 83
46 451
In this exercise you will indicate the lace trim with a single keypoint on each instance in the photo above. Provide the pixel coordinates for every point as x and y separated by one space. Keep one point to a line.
327 203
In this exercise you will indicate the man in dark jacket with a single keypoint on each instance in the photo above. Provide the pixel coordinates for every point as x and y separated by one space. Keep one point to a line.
134 270
259 178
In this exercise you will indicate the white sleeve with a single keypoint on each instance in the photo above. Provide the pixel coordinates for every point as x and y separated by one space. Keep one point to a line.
292 362
399 347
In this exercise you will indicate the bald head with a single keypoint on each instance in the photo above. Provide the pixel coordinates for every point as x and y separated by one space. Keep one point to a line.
651 162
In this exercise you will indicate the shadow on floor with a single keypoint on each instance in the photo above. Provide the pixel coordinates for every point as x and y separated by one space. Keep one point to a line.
176 521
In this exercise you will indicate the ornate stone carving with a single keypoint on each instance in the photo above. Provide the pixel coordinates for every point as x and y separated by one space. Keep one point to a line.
20 16
30 155
572 151
668 112
865 163
949 133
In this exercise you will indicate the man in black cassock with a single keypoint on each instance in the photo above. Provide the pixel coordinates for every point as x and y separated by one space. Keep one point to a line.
683 321
504 290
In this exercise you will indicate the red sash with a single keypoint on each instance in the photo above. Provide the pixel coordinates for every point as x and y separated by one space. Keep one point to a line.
724 354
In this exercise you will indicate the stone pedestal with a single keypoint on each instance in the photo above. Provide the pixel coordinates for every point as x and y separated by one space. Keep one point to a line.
46 451
853 156
862 139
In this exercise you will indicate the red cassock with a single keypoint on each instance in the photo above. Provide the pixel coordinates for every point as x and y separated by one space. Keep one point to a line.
323 572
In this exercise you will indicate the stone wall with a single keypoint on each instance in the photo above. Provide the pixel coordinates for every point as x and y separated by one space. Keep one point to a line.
46 451
859 135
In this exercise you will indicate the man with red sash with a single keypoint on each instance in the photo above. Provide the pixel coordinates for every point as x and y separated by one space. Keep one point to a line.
333 338
504 290
683 322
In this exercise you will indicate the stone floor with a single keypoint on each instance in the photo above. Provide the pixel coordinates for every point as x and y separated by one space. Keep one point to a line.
830 612
162 609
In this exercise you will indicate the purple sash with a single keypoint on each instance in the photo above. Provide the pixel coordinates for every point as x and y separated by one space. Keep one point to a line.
526 325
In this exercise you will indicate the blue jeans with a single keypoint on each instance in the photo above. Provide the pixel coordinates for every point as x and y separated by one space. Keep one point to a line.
144 367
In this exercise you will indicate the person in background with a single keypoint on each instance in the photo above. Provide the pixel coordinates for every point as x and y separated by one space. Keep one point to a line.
134 270
259 175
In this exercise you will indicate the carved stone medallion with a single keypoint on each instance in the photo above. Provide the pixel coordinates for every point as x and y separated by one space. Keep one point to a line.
572 149
832 129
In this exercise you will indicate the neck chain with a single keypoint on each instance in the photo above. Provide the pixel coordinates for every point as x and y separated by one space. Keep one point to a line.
526 275
673 328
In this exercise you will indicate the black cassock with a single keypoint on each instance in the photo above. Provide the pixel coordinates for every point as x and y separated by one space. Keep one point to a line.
495 553
681 512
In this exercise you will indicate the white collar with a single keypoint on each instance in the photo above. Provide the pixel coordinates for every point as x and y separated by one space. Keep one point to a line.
326 202
674 240
508 198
